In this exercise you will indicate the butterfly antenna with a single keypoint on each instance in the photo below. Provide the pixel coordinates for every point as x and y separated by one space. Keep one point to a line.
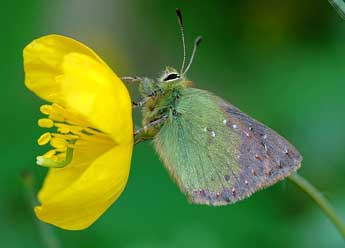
196 45
180 23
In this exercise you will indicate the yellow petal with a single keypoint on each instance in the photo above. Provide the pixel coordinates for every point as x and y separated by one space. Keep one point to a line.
42 62
83 197
96 93
64 71
84 154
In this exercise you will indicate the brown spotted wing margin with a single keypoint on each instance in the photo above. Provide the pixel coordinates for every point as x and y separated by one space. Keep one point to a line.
265 156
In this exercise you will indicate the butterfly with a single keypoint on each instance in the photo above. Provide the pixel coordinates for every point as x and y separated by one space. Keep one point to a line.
216 154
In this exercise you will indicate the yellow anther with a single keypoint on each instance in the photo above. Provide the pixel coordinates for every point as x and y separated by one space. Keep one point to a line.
56 117
63 128
71 136
61 156
46 109
49 154
58 108
54 158
58 142
44 139
65 136
54 111
58 160
75 129
45 123
64 149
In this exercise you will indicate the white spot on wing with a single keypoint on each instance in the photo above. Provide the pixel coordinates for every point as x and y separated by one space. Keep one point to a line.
225 121
213 134
234 126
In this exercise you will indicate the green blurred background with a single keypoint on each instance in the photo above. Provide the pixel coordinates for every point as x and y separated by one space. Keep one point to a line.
282 62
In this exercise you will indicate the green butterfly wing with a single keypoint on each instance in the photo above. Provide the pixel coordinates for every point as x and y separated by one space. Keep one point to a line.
217 154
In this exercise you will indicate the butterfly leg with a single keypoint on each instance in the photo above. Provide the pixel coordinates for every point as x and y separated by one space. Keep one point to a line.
144 100
140 103
135 79
131 79
148 131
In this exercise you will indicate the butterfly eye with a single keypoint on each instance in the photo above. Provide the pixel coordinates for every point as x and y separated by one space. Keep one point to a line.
171 76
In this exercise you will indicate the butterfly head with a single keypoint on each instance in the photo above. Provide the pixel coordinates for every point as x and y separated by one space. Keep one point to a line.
170 74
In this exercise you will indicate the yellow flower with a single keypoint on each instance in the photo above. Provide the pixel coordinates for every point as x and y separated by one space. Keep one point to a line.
90 111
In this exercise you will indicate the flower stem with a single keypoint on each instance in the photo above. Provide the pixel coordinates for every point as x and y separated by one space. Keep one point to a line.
47 236
320 200
339 6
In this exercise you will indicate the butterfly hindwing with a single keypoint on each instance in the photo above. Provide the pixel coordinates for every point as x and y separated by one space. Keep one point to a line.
217 154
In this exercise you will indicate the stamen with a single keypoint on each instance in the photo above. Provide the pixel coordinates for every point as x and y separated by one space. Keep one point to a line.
70 128
63 115
50 153
58 142
56 117
44 139
56 160
75 129
66 136
45 123
63 128
63 142
61 156
94 132
46 109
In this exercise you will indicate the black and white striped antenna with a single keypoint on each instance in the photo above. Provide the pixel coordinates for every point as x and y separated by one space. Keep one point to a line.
196 44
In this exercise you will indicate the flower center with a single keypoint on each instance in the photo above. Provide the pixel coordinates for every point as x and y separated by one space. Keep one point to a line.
70 129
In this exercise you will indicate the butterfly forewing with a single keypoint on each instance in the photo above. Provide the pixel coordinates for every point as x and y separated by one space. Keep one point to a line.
217 154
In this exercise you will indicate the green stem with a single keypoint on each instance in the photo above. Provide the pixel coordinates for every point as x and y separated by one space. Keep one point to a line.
339 6
48 238
320 200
